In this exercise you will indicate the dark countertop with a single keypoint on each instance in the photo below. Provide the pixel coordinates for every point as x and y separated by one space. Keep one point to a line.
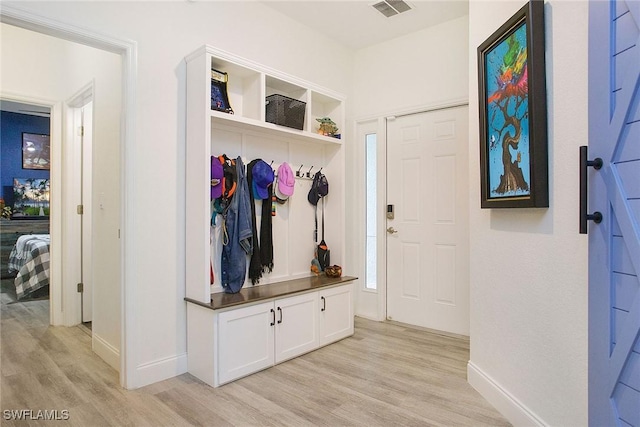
263 292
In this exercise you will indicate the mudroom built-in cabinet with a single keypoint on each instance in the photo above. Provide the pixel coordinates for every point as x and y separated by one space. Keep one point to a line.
291 311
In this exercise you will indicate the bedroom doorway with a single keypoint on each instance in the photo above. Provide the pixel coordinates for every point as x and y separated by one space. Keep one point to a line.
24 201
105 62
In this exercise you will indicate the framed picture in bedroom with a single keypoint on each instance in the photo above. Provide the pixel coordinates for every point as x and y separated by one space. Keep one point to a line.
30 197
36 151
513 113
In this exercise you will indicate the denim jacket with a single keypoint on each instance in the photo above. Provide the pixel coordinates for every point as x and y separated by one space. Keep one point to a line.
238 227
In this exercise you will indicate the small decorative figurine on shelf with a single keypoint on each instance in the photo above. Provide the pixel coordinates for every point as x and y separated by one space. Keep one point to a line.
327 127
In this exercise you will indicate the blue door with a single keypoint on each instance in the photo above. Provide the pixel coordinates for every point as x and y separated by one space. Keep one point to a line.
614 190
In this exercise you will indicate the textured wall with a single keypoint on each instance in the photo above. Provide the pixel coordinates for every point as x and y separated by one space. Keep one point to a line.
529 266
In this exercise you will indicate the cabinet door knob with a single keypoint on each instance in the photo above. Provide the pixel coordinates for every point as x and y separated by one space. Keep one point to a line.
279 310
324 304
273 322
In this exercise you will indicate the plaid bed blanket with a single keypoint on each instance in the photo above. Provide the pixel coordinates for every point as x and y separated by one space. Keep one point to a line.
30 258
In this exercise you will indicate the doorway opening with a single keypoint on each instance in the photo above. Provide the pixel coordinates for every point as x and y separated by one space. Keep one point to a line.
118 346
24 201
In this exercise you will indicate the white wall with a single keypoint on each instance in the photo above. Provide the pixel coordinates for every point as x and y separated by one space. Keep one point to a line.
165 32
428 67
529 266
528 333
39 66
423 69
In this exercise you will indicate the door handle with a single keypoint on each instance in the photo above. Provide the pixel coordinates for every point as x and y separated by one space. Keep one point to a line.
273 322
391 230
584 216
280 311
324 304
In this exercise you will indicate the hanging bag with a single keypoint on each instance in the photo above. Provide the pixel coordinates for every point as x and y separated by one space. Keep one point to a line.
323 254
319 189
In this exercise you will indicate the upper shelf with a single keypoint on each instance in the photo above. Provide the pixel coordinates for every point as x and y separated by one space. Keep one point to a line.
270 129
250 83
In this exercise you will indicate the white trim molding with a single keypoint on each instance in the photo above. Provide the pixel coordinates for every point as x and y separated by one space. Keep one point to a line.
106 351
56 305
161 369
510 407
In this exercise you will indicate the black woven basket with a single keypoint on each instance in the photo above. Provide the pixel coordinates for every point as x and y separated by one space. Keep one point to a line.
284 111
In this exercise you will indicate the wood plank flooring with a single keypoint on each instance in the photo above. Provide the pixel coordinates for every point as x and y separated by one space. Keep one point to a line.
385 375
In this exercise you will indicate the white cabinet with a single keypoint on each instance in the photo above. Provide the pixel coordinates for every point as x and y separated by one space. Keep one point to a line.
227 344
245 341
296 329
336 314
258 336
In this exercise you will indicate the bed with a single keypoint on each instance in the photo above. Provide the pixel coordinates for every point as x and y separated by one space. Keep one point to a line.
30 259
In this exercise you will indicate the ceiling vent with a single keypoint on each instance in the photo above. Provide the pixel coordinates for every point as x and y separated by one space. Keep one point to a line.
391 7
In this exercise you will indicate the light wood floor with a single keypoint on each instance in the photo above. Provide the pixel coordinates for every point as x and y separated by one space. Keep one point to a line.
385 375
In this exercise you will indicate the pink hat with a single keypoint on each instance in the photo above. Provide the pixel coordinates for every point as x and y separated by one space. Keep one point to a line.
286 180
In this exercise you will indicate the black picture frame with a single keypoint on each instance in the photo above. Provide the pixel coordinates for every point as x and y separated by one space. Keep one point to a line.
36 151
513 113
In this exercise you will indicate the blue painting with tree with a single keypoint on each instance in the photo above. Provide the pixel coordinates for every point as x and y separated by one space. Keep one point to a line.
507 106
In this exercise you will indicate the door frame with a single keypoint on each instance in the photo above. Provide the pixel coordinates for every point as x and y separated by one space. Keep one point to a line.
56 299
355 244
128 51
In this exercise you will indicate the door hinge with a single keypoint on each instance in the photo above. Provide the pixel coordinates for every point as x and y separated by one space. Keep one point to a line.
80 209
80 287
80 130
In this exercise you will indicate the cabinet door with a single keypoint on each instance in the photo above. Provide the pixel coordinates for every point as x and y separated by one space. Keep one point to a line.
336 314
296 326
245 341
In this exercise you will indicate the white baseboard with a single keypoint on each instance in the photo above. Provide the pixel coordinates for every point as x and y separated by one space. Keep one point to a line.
106 351
369 317
511 408
160 370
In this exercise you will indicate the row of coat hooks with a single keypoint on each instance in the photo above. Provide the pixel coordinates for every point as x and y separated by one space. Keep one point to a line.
307 174
300 173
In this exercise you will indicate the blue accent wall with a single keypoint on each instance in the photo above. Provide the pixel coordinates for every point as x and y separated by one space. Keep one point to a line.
11 127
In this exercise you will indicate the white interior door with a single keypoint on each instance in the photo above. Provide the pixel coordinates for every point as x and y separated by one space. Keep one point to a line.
79 190
428 238
86 218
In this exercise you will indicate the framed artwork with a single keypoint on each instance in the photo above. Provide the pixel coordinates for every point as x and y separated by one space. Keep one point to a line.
30 197
513 113
36 151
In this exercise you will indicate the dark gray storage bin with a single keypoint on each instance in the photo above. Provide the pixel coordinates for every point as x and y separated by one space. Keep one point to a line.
284 111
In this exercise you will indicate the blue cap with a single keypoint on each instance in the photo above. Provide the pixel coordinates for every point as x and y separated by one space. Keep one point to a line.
262 176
